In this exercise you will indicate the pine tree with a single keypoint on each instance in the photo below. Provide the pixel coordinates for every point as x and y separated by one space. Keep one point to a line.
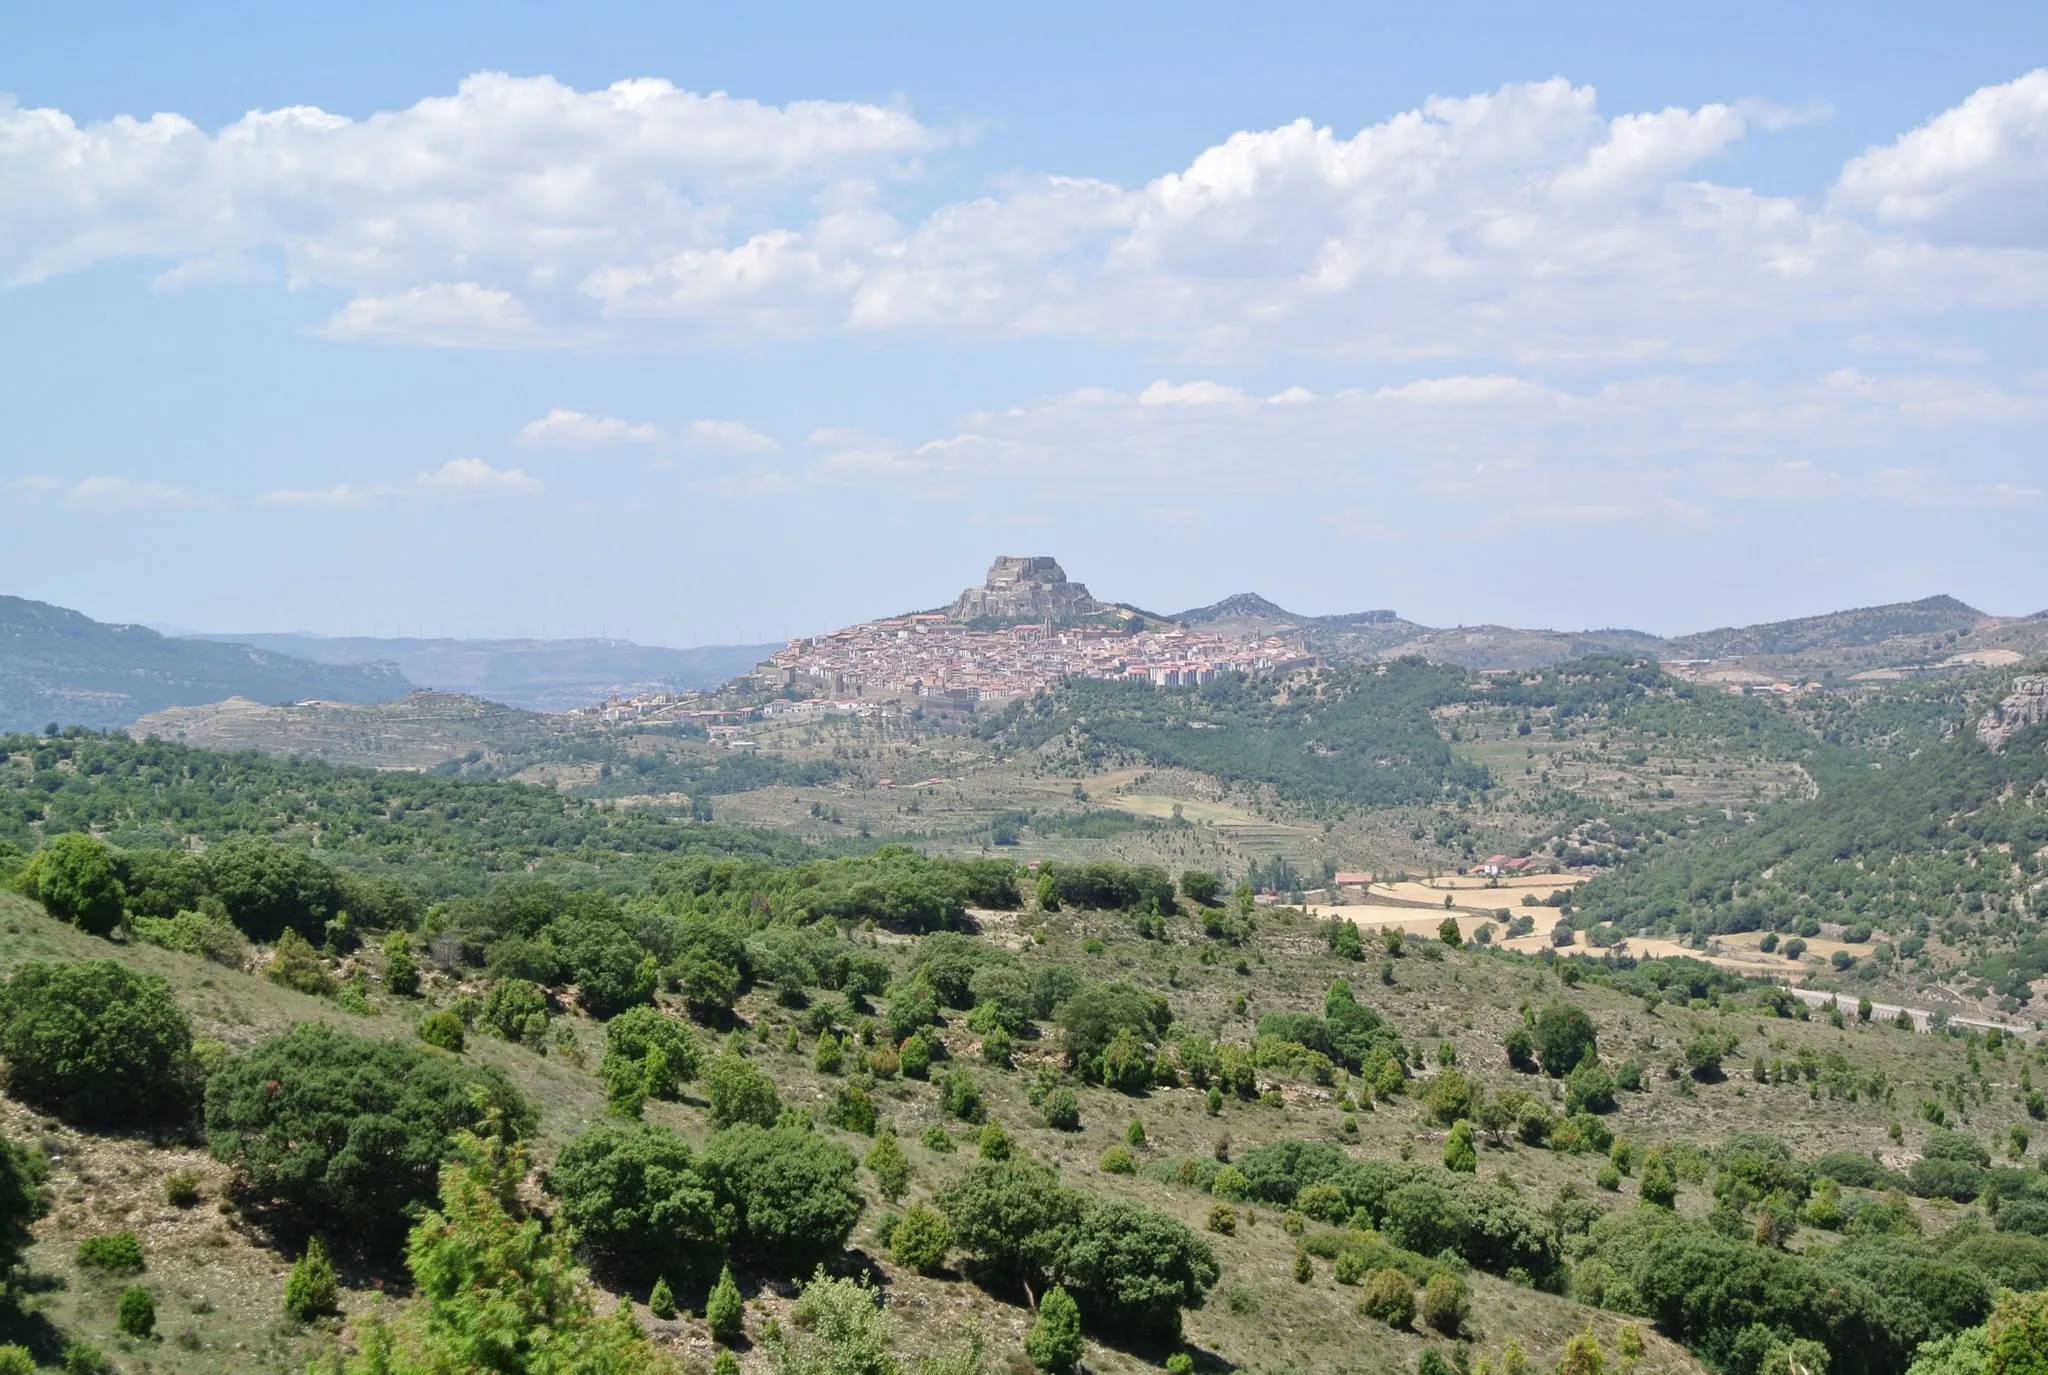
310 1288
724 1311
1054 1341
890 1167
661 1300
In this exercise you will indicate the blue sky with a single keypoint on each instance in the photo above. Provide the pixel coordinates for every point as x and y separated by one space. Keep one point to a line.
412 318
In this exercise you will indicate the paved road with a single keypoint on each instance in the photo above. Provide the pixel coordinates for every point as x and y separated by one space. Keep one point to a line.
1885 1012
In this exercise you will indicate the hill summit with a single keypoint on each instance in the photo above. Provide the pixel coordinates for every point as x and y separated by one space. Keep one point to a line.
1028 588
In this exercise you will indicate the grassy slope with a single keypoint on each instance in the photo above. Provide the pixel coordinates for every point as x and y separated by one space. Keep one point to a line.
214 1284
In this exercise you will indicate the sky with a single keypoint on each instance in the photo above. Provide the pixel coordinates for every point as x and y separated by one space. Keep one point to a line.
701 324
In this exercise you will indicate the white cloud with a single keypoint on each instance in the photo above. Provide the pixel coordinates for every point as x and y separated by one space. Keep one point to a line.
343 495
1975 174
574 429
460 476
98 490
729 437
1523 225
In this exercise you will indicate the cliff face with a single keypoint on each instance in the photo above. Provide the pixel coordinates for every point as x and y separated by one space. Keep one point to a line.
2027 706
1031 588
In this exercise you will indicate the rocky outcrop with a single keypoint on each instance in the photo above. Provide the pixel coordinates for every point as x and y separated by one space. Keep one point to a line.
1032 588
2027 706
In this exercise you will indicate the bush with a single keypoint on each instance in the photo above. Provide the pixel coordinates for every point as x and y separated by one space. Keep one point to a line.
1222 1220
636 1197
890 1167
1061 1109
994 1143
401 971
1389 1296
1054 1342
135 1313
345 1136
96 1043
73 877
724 1310
1117 1160
1589 1088
17 1360
117 1253
310 1289
739 1093
1133 1269
792 1193
1564 1037
1460 1156
195 933
443 1030
921 1239
661 1300
962 1097
295 964
1446 1300
516 1010
1521 1049
181 1188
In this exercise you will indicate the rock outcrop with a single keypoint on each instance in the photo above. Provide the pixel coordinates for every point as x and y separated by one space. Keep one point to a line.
1025 589
2027 706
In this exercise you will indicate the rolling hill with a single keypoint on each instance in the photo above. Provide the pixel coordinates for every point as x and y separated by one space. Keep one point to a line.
60 665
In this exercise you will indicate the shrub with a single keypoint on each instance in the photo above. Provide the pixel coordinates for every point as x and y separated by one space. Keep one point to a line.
344 1135
1061 1109
295 964
1564 1037
516 1010
195 933
116 1253
739 1093
1134 1269
636 1197
724 1310
1054 1342
994 1143
310 1289
1460 1156
135 1313
663 1047
962 1096
17 1360
1117 1160
1446 1300
1521 1049
996 1048
401 971
661 1300
73 877
921 1239
1230 1185
443 1030
915 1057
1589 1088
181 1188
851 1108
96 1043
792 1193
936 1139
1222 1220
890 1167
1389 1296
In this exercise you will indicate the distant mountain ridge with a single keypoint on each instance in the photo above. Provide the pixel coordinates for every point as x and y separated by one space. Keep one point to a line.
61 665
535 675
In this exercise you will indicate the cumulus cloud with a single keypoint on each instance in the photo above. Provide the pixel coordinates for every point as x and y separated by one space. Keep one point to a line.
1508 448
729 437
1975 174
1523 224
469 475
458 477
574 429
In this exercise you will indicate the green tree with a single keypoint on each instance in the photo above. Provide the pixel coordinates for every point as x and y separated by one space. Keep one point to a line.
496 1290
962 1096
443 1030
1460 1156
345 1136
740 1093
921 1240
73 877
635 1196
1054 1342
661 1300
22 1201
890 1167
135 1313
96 1043
401 971
1388 1295
636 1036
725 1312
1447 932
1446 1301
793 1193
1013 1217
1134 1268
516 1010
1564 1037
840 1328
310 1289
